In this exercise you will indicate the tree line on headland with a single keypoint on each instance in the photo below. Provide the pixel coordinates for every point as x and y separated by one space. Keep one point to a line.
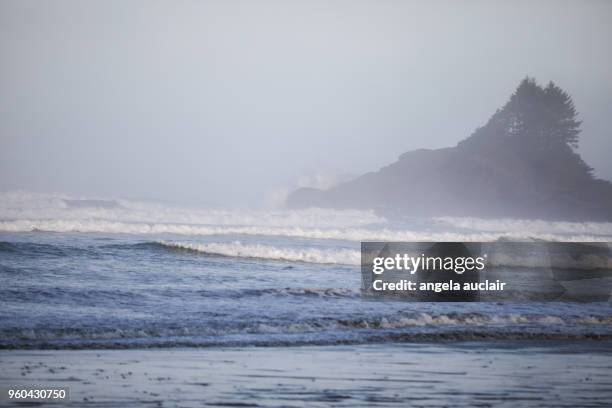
522 163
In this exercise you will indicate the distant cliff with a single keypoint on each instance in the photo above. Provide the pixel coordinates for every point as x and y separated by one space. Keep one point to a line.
522 163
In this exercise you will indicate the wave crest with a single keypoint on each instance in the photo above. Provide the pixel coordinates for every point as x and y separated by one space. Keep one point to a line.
240 250
533 227
342 234
65 209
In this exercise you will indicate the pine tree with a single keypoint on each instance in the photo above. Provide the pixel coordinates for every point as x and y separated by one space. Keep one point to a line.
539 125
543 118
562 114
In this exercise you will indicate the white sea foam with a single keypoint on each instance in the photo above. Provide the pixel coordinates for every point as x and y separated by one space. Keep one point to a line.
24 212
353 257
240 250
528 226
38 207
344 234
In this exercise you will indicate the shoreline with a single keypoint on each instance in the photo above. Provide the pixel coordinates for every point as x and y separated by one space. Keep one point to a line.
435 335
512 373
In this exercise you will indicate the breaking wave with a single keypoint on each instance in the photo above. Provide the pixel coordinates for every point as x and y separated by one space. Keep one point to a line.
410 328
344 234
26 212
62 210
601 260
533 227
240 250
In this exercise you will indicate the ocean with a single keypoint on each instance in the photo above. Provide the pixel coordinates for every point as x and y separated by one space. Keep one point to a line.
99 276
120 274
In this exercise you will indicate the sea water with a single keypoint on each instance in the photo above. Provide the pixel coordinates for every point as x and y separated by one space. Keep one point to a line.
79 274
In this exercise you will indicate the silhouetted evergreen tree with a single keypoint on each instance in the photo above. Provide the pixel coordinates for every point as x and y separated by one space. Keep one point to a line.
544 118
537 127
562 122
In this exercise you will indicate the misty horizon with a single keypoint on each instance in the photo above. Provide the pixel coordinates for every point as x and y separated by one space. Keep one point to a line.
235 104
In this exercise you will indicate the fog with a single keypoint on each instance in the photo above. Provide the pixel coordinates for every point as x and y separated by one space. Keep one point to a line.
232 103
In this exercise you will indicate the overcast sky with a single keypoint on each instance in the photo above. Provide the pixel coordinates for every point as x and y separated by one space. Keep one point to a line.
227 102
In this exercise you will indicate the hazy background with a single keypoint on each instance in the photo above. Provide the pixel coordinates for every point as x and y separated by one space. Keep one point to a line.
231 102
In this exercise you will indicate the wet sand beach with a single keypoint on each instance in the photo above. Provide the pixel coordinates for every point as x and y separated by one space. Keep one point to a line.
512 374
